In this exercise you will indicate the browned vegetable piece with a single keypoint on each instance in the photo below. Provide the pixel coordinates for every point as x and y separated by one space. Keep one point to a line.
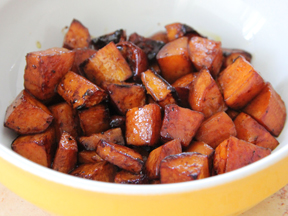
65 119
232 113
161 91
79 92
107 64
173 60
85 157
77 36
206 53
95 119
81 55
177 30
216 129
126 96
115 37
268 109
231 54
100 171
233 154
112 135
205 95
44 70
160 36
135 57
143 125
186 166
250 130
126 177
181 123
155 157
66 154
39 148
120 156
240 83
26 115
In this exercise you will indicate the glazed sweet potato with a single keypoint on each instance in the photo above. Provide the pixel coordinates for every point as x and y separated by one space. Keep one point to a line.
160 36
173 60
85 157
126 177
152 165
180 123
115 37
66 154
81 54
233 154
177 30
79 92
240 83
44 70
186 166
39 148
121 156
143 125
77 36
26 115
205 95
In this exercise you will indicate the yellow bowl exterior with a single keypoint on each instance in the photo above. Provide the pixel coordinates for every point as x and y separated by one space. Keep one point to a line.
227 199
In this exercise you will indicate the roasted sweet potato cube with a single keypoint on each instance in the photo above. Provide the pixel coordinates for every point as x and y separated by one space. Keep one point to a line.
240 83
66 155
268 109
81 54
117 36
155 157
143 125
121 156
177 30
233 154
250 130
107 64
65 119
126 177
160 36
39 148
186 166
126 96
231 54
100 171
79 92
205 95
77 36
173 59
206 53
26 115
85 157
44 70
216 129
112 135
180 123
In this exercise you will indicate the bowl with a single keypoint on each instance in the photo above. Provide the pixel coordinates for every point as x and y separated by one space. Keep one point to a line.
249 25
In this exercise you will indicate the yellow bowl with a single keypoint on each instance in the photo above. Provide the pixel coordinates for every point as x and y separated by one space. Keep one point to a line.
256 28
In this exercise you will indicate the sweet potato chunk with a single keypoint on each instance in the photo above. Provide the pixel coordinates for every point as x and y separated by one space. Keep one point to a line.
126 96
160 36
177 30
155 157
66 154
231 54
115 37
206 53
143 125
205 95
174 61
79 92
77 36
268 109
126 177
233 154
120 156
85 157
186 166
216 129
107 65
240 83
81 54
100 171
112 135
181 123
26 115
95 119
44 70
39 148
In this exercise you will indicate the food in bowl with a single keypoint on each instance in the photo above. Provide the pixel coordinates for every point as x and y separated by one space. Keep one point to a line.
165 109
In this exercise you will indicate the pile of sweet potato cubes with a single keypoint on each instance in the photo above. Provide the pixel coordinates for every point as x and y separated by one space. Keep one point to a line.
173 107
